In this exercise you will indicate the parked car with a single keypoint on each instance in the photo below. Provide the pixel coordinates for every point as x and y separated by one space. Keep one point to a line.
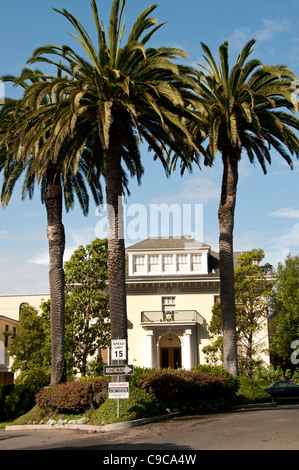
283 390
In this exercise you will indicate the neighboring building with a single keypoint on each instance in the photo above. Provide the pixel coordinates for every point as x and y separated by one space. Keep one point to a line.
172 285
10 307
7 326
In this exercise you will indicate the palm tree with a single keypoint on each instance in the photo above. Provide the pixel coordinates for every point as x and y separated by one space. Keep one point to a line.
245 109
119 93
57 182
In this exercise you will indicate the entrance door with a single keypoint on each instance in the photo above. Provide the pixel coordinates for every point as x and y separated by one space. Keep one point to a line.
170 357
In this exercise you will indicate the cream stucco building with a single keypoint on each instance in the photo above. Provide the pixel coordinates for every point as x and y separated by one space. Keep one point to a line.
172 284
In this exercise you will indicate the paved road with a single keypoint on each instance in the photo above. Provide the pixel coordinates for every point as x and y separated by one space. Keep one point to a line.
265 429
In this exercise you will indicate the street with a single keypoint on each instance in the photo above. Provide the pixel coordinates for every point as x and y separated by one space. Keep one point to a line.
257 429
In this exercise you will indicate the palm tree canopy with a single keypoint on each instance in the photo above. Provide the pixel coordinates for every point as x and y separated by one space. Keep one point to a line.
25 150
247 107
125 91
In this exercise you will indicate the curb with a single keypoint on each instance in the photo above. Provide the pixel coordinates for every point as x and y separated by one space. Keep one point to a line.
119 426
88 427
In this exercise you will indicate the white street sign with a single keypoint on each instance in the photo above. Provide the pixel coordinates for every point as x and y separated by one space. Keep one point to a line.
118 390
118 349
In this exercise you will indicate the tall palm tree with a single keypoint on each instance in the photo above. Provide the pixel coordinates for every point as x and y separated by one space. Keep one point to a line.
120 92
246 108
57 182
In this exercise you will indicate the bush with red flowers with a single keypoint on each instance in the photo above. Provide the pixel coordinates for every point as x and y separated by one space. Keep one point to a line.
77 396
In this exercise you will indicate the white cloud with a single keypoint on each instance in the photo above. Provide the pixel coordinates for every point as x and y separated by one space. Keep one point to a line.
270 28
287 212
199 190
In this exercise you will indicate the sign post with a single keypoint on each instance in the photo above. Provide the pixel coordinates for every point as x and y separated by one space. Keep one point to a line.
118 389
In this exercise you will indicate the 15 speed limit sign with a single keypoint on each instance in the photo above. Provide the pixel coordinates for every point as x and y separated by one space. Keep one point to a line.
118 349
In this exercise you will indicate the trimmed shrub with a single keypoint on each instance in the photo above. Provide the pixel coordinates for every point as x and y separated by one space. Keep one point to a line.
251 392
181 389
76 397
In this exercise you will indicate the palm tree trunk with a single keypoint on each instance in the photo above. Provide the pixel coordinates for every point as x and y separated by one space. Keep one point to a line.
227 285
56 239
116 244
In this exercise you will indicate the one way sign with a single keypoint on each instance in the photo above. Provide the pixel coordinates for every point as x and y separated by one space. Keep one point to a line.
124 369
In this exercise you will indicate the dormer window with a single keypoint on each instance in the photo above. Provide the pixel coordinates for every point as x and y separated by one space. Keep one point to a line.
153 264
196 263
168 263
163 264
182 263
139 264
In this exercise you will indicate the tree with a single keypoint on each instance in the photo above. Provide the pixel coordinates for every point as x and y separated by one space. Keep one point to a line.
26 148
87 300
244 108
253 284
284 321
28 350
123 94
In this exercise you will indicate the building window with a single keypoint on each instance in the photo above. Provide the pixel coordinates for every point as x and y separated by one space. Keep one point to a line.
196 264
139 264
182 263
6 336
168 263
153 263
168 307
168 304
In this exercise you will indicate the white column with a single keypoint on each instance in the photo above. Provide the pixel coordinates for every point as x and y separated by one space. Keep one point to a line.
187 354
148 348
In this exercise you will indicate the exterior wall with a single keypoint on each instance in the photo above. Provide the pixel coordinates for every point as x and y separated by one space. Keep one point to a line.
10 304
145 338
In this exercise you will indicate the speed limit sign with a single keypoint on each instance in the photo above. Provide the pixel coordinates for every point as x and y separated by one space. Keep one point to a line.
118 349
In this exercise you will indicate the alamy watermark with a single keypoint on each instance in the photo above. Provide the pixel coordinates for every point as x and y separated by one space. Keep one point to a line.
295 353
150 221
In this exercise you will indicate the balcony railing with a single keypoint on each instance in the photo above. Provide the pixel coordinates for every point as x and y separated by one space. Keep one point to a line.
172 316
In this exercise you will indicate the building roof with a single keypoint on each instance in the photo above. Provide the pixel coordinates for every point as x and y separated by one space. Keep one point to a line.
168 243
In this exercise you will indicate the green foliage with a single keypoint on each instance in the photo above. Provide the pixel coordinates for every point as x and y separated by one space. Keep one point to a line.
250 392
37 376
252 289
87 303
267 375
140 404
134 379
28 347
284 322
35 415
75 396
15 400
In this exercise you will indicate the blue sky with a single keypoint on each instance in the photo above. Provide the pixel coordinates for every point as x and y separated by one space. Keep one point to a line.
267 212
